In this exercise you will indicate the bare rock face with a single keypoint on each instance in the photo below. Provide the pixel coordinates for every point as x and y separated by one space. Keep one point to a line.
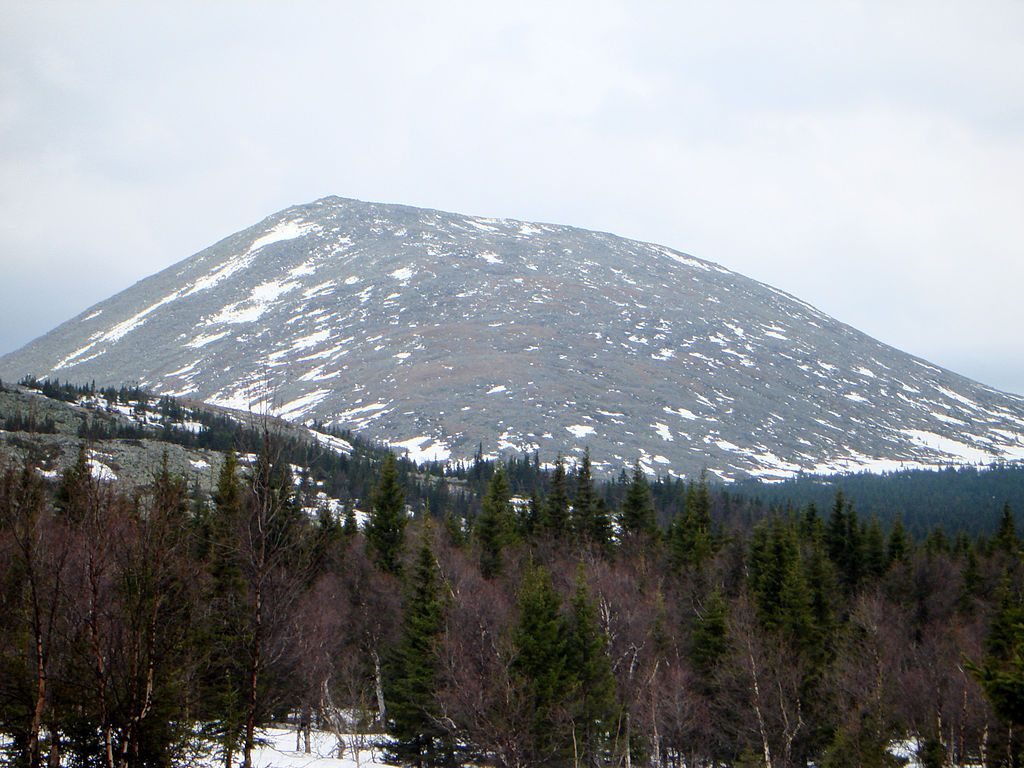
438 332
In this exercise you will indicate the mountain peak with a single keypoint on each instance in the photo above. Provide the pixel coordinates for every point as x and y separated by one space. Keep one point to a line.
438 331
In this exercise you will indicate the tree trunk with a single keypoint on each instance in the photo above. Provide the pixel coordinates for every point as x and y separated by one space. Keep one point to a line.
378 679
758 710
254 671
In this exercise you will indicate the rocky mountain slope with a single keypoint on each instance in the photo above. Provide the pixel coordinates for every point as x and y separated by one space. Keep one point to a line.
438 332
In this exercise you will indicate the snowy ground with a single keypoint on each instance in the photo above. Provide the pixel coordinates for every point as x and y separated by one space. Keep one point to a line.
280 752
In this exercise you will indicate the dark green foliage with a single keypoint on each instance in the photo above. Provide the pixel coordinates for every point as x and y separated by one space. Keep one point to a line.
555 511
1006 535
844 537
539 666
496 527
637 517
859 748
594 708
385 529
590 520
898 548
349 525
1002 673
413 679
690 538
28 422
966 497
709 640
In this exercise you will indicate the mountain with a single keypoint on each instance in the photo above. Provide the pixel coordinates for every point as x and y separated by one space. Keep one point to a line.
439 332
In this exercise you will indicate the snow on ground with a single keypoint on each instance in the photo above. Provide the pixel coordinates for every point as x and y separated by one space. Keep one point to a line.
206 338
580 430
403 274
297 407
663 431
286 230
335 444
279 752
956 450
100 471
423 449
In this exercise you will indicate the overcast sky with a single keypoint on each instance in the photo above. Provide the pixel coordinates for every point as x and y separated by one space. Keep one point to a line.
866 157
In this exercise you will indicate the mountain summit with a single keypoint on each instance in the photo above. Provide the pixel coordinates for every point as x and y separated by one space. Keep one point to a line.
438 332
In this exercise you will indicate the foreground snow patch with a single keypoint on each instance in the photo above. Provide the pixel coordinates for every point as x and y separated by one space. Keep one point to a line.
279 752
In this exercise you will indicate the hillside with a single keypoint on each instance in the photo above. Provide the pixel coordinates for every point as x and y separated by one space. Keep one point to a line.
439 332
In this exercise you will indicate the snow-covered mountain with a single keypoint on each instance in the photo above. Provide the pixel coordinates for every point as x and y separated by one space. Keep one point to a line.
437 332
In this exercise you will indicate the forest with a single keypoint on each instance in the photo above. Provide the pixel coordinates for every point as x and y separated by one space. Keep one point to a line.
579 624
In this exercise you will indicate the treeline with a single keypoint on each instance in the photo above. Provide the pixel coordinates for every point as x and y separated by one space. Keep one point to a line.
968 497
557 629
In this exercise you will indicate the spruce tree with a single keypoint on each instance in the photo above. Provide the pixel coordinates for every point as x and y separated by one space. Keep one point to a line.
413 669
584 502
594 707
1006 536
349 525
690 541
539 666
898 548
874 550
555 512
709 640
637 514
495 528
225 633
385 529
1002 674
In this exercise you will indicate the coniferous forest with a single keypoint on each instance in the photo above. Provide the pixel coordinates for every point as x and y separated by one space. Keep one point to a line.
574 624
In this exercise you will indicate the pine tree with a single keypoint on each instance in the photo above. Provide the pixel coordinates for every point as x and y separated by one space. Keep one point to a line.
495 528
637 514
385 529
419 740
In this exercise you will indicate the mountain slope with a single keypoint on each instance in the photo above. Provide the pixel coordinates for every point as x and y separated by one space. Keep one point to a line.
438 331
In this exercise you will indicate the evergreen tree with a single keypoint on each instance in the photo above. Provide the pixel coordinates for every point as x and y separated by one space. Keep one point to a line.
637 514
595 706
1006 536
690 536
1002 674
385 529
539 666
875 560
225 633
555 512
899 546
495 528
590 519
419 739
349 525
709 640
